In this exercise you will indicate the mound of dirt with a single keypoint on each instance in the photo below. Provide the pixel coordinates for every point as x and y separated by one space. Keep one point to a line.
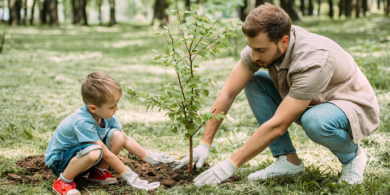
163 174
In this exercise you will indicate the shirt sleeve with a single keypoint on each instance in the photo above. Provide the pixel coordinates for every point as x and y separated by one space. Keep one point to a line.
246 57
311 81
114 123
86 132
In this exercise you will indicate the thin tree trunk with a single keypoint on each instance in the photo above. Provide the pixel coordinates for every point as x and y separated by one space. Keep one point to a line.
25 12
379 4
112 13
159 11
82 12
330 14
388 8
348 8
341 7
44 11
365 7
302 7
2 13
2 41
242 11
289 7
259 2
188 5
319 7
311 8
75 11
53 13
32 12
191 157
357 8
19 5
100 2
13 18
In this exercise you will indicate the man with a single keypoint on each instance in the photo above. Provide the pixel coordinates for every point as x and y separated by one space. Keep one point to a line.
310 80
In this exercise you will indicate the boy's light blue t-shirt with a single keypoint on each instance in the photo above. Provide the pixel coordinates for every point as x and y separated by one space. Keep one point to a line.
77 129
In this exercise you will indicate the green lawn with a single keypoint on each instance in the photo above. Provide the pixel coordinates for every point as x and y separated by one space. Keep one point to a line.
41 71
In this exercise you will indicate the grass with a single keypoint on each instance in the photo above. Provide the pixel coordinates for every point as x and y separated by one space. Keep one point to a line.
42 69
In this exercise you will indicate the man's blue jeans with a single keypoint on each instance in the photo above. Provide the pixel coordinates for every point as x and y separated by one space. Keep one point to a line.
325 124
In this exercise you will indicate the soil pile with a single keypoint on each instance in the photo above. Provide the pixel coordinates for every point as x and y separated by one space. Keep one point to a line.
39 171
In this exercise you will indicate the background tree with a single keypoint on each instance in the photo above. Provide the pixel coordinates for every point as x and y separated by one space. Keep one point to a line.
159 11
302 7
331 13
243 10
289 7
311 8
32 12
112 12
14 12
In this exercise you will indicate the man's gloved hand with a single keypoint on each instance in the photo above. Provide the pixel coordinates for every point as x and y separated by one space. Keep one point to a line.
216 174
156 159
132 179
200 154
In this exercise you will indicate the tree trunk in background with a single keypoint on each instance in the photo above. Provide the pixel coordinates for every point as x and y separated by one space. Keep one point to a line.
388 8
357 8
319 7
100 2
18 7
259 2
53 13
13 18
25 12
75 12
83 12
348 8
365 7
379 4
32 12
112 12
188 5
341 7
242 11
311 7
289 7
159 11
302 7
2 13
330 14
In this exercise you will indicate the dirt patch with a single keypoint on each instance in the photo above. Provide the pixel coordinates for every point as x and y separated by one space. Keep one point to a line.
38 171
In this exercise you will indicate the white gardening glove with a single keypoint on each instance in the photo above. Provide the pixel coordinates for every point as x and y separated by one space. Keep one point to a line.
156 159
216 174
132 179
200 154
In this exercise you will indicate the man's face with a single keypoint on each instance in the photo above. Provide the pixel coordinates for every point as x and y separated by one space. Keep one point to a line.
265 52
108 109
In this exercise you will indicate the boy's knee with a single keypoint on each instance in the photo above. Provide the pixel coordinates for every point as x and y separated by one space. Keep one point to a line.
94 155
118 138
315 127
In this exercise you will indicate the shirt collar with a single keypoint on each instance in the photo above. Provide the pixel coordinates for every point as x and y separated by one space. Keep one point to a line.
286 62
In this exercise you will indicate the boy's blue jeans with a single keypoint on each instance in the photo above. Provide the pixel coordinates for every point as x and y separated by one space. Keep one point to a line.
325 124
63 159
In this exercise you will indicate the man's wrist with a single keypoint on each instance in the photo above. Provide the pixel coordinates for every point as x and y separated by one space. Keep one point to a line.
205 143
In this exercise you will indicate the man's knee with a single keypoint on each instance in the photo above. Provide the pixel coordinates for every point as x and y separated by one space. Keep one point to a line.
315 127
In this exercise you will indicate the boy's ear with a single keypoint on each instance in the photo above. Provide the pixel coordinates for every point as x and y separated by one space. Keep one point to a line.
92 108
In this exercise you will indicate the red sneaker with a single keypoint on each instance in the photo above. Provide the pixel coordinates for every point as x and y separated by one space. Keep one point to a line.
60 187
101 177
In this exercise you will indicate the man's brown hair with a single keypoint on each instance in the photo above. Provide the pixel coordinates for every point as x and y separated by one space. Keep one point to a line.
98 87
268 19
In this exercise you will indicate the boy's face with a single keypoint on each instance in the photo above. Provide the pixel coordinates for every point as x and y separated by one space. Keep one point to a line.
107 109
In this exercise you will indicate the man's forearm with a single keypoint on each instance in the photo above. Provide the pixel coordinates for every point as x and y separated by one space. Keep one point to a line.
222 104
262 138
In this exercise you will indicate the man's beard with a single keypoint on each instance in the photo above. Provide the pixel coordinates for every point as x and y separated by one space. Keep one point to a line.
277 57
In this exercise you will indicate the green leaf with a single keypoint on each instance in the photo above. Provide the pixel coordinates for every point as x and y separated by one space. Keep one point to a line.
187 136
206 92
166 49
195 8
174 129
198 120
202 53
196 66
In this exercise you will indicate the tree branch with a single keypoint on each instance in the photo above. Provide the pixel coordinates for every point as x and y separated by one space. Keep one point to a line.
204 35
201 125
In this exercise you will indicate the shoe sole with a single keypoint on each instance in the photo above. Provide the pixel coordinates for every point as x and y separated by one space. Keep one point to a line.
103 182
56 192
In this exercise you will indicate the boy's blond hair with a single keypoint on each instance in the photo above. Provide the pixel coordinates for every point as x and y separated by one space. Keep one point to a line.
98 87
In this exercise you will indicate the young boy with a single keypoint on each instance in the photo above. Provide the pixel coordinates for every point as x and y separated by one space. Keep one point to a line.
89 140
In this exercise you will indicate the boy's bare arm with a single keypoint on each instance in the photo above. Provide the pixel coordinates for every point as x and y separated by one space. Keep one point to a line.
237 80
111 158
133 147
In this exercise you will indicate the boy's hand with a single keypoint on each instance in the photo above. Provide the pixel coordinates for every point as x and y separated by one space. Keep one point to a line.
132 179
156 159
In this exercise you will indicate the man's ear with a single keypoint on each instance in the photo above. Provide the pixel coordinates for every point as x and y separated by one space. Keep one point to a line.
92 108
284 42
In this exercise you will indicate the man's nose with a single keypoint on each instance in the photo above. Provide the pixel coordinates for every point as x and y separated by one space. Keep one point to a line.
255 56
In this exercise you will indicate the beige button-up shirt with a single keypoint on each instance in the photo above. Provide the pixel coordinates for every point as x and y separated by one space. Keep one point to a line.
317 68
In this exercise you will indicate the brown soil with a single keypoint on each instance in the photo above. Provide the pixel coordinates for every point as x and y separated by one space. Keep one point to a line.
38 171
